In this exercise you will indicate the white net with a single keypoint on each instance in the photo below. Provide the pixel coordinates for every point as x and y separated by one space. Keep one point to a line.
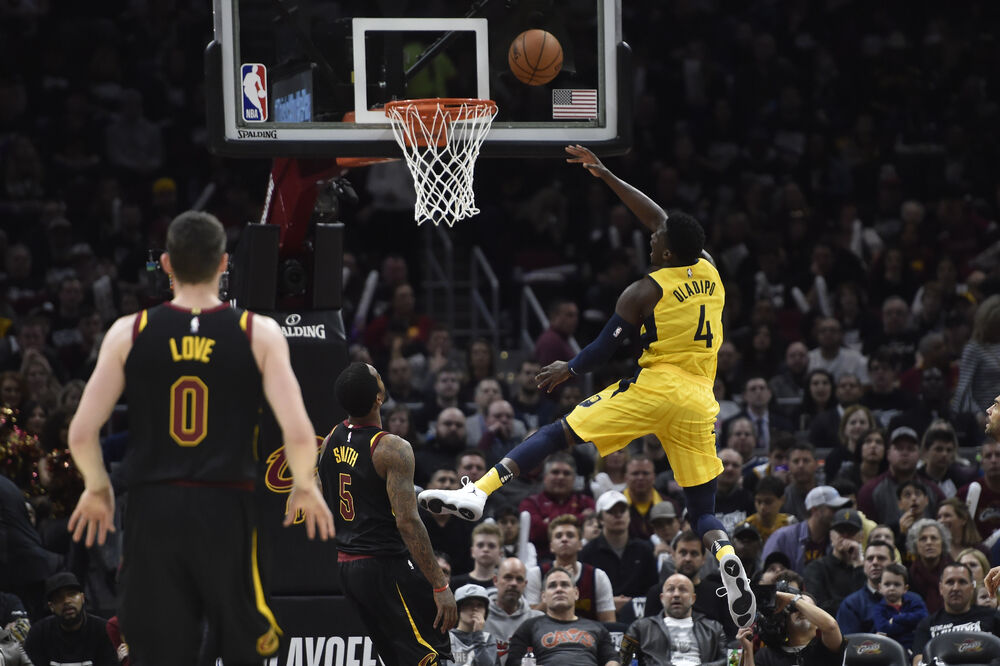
441 141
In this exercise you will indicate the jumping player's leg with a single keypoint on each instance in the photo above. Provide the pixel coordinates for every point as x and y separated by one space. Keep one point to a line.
610 419
468 502
689 440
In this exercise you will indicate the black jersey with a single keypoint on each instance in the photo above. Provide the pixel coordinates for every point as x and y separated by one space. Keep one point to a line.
356 493
194 394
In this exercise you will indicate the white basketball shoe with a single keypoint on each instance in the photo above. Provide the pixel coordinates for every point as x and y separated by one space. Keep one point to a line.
467 502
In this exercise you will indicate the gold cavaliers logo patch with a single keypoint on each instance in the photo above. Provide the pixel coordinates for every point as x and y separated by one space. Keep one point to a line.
267 644
430 658
277 476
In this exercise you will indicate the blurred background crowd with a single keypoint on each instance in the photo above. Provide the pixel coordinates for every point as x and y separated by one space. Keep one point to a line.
840 154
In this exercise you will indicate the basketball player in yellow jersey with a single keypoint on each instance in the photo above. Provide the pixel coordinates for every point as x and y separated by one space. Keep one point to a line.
676 310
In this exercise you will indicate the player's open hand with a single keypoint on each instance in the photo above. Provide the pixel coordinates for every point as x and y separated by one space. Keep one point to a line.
447 615
587 159
318 518
94 515
553 375
992 580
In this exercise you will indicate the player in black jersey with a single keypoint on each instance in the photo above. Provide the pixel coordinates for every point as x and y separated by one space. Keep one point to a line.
367 477
194 370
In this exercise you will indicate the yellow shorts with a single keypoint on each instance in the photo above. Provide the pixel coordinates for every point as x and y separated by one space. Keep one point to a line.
677 407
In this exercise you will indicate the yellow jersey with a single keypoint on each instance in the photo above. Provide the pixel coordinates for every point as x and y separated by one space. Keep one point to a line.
685 329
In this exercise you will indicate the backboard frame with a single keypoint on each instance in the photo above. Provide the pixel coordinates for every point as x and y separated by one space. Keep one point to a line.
371 134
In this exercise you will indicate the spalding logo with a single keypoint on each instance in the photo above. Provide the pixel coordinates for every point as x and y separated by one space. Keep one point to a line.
969 645
293 319
869 647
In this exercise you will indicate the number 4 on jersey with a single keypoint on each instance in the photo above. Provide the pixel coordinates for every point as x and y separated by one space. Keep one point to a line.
704 331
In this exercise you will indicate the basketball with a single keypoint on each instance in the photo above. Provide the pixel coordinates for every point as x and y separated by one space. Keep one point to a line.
535 57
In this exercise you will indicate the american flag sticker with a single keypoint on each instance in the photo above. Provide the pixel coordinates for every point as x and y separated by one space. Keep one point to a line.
578 104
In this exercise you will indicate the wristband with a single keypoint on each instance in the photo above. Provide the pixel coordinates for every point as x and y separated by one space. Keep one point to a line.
440 589
793 604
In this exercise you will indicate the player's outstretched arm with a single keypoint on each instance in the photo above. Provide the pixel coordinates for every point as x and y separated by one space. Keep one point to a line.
647 210
95 512
393 459
285 397
633 304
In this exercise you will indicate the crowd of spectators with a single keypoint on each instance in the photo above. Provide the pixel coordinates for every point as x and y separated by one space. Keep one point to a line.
841 158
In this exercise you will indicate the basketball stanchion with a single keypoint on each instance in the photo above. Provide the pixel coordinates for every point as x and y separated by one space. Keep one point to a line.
441 139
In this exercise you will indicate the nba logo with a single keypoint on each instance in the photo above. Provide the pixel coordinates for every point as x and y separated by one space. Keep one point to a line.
254 92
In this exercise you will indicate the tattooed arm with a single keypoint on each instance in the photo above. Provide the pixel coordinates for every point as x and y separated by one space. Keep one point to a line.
393 460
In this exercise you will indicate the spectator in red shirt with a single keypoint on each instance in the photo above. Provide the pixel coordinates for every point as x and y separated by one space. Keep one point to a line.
557 498
553 343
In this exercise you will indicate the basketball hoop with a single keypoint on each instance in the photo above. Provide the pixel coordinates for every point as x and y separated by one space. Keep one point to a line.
441 139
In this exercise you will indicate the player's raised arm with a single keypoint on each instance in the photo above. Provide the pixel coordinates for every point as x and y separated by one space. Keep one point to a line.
95 511
647 210
623 325
285 397
393 458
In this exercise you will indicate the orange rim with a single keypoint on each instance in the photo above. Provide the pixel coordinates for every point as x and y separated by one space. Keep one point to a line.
456 108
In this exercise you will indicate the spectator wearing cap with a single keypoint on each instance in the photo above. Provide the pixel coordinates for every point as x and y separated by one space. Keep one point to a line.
470 644
14 627
665 639
556 498
641 495
855 612
629 562
663 518
776 562
596 599
832 577
987 510
877 498
70 635
809 540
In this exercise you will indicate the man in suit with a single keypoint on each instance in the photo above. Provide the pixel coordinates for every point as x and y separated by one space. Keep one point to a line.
756 407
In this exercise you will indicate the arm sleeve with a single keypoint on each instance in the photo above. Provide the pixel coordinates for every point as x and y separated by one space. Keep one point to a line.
597 353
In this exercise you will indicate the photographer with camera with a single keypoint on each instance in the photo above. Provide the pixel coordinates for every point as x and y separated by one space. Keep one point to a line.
788 624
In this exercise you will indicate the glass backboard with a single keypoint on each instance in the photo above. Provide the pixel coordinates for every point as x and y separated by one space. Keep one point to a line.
308 78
